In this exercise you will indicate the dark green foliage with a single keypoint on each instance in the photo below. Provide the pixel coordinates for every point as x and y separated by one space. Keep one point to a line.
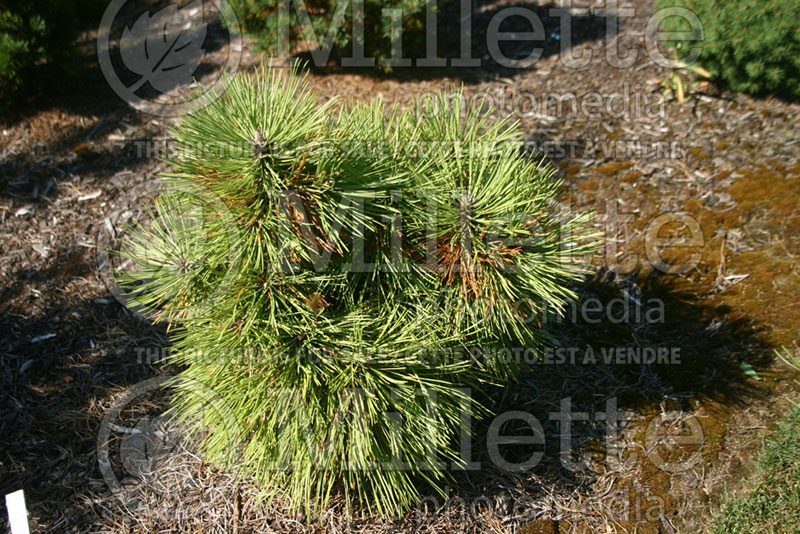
769 502
753 46
263 20
33 33
324 272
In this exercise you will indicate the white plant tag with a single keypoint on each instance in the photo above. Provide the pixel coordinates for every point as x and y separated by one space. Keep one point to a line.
17 513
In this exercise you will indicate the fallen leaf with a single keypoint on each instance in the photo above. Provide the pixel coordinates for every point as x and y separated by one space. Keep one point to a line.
43 337
24 210
90 196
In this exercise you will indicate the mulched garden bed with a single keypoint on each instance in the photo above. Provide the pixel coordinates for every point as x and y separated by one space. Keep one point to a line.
72 168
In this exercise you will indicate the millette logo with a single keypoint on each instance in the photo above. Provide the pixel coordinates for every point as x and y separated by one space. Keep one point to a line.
163 56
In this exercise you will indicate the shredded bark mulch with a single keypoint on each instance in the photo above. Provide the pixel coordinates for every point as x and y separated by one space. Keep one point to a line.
74 169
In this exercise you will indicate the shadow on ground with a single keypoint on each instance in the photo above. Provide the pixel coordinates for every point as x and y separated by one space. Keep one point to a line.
711 345
64 356
469 58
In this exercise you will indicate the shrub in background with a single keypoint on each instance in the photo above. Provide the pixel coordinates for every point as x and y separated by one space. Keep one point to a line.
263 20
322 271
752 46
34 33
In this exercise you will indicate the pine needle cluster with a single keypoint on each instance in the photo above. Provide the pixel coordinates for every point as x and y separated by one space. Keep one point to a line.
330 276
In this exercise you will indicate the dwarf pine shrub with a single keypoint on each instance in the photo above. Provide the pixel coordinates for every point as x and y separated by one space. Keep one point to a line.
752 46
324 272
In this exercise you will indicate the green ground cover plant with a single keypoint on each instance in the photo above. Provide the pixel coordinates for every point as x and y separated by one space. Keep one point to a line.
752 47
771 500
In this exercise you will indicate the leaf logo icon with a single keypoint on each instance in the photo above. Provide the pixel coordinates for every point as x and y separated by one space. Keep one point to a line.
147 445
164 48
